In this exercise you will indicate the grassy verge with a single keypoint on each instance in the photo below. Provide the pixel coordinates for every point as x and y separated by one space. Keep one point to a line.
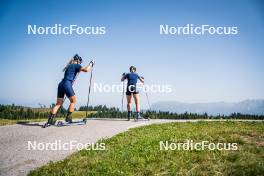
11 122
75 115
137 152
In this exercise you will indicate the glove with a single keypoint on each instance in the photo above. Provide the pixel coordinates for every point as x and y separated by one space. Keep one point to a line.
124 74
92 62
142 77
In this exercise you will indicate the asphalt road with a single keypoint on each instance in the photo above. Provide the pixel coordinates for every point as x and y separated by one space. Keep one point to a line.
16 159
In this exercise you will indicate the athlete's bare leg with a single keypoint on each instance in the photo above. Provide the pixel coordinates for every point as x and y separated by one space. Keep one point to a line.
72 103
129 99
136 99
57 106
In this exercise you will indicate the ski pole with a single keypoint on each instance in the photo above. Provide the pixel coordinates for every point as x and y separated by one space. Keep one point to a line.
123 96
89 91
146 93
147 98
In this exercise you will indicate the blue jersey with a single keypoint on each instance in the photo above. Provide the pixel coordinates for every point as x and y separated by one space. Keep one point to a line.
132 78
71 71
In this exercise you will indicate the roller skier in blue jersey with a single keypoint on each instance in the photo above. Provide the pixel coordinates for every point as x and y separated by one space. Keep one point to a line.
65 87
131 89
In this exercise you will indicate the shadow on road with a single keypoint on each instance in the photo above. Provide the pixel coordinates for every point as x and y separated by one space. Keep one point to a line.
108 119
28 123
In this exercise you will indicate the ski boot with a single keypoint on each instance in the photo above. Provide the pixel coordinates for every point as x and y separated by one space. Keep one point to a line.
138 117
84 120
129 113
68 119
51 121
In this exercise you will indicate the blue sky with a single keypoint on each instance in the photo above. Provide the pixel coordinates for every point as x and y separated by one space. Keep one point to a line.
200 68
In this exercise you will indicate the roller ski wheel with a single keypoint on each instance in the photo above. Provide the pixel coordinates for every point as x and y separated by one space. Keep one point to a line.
60 124
139 118
46 125
84 120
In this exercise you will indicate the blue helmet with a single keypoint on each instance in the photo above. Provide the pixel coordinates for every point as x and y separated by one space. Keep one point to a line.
76 57
132 69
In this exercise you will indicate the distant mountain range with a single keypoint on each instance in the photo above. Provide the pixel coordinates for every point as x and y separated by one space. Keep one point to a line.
253 107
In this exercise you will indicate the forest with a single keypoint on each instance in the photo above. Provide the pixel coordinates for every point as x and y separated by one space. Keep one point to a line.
105 112
15 112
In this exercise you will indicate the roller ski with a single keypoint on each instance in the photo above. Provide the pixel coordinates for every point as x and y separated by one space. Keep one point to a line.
69 121
79 122
141 119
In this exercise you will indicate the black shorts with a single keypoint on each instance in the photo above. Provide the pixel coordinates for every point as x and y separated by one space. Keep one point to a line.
131 89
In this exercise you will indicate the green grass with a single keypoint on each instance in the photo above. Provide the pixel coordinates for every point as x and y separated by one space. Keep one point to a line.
81 114
136 152
75 115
